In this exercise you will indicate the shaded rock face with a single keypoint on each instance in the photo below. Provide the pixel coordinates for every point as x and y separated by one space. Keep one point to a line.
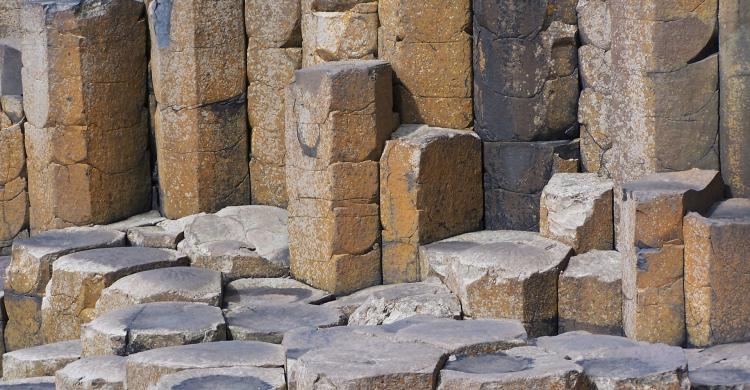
87 130
14 199
101 372
336 31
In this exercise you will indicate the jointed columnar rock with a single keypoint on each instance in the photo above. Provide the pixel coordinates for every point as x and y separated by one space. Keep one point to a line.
525 70
225 378
430 189
428 44
339 30
84 82
665 72
274 52
270 321
198 69
717 247
244 292
43 360
14 202
734 72
338 116
94 373
651 240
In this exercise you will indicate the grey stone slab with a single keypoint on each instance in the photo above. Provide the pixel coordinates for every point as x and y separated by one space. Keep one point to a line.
721 367
38 383
246 291
149 218
93 373
43 360
225 378
269 322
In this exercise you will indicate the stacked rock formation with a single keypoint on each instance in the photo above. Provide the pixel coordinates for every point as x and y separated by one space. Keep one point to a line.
339 30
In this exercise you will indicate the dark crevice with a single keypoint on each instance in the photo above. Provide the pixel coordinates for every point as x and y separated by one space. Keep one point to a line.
711 48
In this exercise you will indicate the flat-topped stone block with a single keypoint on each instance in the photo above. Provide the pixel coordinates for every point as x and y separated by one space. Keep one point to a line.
502 274
149 218
176 284
38 383
86 274
336 31
243 292
43 360
720 367
269 322
590 293
93 373
145 369
225 378
166 234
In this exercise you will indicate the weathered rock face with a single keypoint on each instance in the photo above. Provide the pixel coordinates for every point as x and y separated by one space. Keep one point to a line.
269 321
166 234
428 44
244 292
666 109
40 361
525 70
94 373
225 378
339 30
716 248
10 61
36 383
590 294
84 82
515 174
651 240
502 274
332 181
576 209
721 367
430 189
14 200
149 218
198 69
10 21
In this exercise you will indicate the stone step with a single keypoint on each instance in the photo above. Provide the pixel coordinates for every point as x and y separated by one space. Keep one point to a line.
43 360
225 379
100 372
269 322
149 218
721 367
165 234
242 292
38 383
148 326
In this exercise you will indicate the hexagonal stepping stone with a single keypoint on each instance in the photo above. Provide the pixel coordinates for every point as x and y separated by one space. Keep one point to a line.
721 367
502 274
581 344
389 303
269 322
38 383
145 369
225 379
100 372
152 325
43 360
166 234
242 292
149 218
175 284
518 368
241 242
79 278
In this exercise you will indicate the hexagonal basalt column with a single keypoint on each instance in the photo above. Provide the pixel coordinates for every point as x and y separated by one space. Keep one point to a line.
336 30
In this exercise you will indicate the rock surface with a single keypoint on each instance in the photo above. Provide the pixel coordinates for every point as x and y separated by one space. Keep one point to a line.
243 292
336 31
269 322
166 234
721 367
14 200
94 373
38 383
150 218
225 378
38 361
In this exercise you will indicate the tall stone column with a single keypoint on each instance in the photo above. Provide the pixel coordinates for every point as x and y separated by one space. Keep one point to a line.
338 117
84 84
336 30
198 70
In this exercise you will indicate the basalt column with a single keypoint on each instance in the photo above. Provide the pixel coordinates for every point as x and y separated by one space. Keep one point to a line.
274 52
338 117
84 84
198 70
335 30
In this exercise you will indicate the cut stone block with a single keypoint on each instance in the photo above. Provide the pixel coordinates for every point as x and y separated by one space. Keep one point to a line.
166 234
152 325
338 117
515 174
430 189
87 130
14 200
650 238
79 278
502 274
244 292
590 294
428 44
145 369
199 74
94 373
225 378
522 367
269 322
721 367
43 360
716 264
38 383
576 209
240 242
273 24
525 70
339 30
146 219
175 284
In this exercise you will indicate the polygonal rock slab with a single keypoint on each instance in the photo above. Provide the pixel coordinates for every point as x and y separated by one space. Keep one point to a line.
166 234
576 209
523 367
225 378
243 292
269 322
590 293
38 383
176 284
149 218
43 360
93 373
720 367
502 274
152 325
240 242
389 303
79 278
145 369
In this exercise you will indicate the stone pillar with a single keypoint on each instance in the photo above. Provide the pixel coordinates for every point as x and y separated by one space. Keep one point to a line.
199 75
274 52
335 30
430 189
84 84
734 60
428 44
650 239
338 117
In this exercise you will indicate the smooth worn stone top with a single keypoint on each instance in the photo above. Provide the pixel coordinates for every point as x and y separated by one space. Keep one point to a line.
146 219
64 349
579 344
242 292
731 210
388 292
92 372
722 366
677 183
514 364
269 322
213 355
108 260
605 266
301 340
422 135
56 243
38 383
580 186
225 379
